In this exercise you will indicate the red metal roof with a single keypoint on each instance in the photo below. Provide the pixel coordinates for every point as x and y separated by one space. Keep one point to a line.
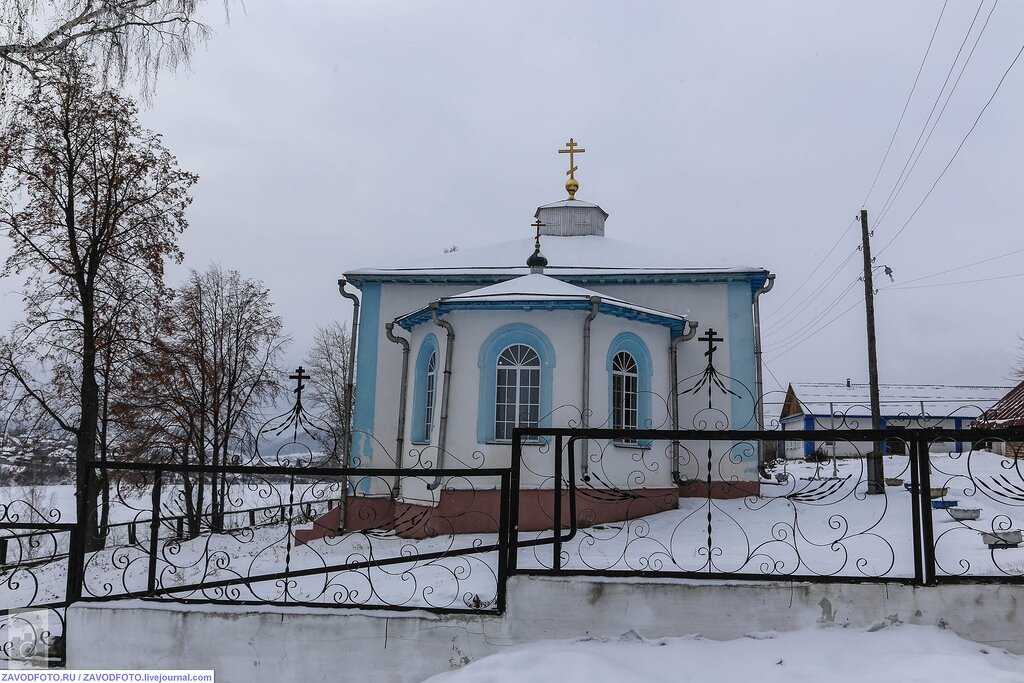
1007 412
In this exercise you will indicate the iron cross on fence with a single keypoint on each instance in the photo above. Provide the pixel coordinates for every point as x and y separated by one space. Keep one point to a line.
300 374
710 337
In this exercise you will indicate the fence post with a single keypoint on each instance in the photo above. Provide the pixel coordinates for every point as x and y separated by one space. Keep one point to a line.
3 551
503 543
927 532
154 531
915 511
556 560
513 544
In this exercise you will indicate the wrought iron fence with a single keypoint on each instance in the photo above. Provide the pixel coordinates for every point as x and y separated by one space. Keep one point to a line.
36 578
693 504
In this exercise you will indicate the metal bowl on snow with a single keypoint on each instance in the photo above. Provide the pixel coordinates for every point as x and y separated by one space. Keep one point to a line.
964 514
1010 538
894 481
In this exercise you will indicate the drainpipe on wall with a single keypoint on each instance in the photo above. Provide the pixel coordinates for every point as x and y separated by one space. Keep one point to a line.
673 365
389 328
595 303
349 373
442 425
759 381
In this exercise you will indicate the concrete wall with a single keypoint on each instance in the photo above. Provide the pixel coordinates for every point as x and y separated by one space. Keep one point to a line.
253 645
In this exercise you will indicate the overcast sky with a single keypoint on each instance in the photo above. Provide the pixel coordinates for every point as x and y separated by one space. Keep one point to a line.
335 135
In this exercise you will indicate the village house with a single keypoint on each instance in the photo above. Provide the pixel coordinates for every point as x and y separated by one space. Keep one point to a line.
817 406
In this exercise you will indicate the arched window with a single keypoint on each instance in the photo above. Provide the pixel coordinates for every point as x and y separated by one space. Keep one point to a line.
629 385
424 391
517 365
428 408
517 390
625 391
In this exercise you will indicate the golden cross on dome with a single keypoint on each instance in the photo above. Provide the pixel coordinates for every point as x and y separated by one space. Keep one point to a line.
572 149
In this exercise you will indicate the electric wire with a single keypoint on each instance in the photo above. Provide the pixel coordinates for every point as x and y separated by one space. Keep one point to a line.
809 299
818 331
824 258
903 113
828 309
954 269
955 154
904 177
959 282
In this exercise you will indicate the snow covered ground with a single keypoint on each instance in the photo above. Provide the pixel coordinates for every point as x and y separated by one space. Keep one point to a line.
892 653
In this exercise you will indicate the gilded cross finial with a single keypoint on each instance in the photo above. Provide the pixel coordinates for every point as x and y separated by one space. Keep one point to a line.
538 225
572 149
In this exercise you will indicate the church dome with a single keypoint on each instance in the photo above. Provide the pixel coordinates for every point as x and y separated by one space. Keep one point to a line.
572 218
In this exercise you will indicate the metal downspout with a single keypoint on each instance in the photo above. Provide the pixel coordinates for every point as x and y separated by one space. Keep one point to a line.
595 303
442 425
396 490
349 373
758 379
673 365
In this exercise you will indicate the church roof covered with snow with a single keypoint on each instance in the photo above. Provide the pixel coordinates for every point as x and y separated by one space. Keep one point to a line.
542 292
574 248
590 258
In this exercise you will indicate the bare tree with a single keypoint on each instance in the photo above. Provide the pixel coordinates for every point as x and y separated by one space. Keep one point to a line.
93 205
205 384
327 363
123 37
1018 370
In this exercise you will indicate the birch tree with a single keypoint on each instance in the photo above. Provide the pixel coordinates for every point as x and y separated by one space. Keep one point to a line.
122 37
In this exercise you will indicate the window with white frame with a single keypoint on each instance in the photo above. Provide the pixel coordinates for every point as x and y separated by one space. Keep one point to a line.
428 407
517 390
625 391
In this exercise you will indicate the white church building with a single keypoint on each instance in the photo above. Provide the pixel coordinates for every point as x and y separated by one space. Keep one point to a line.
565 327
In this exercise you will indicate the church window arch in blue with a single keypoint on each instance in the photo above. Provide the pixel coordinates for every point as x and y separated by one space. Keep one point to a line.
516 365
629 382
424 390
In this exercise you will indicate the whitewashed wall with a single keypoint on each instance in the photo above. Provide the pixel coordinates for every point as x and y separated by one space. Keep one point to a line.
706 302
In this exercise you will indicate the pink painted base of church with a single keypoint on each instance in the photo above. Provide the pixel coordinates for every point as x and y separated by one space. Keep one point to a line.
467 512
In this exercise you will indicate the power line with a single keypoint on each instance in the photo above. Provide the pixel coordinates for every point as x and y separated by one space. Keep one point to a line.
956 153
777 382
953 270
901 181
835 302
809 299
819 330
782 306
960 282
905 105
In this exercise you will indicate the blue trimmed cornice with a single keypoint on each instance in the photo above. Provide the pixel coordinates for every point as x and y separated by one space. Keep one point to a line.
411 320
756 278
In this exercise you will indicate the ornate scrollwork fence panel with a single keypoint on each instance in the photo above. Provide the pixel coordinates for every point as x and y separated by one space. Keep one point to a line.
35 577
436 548
694 504
978 507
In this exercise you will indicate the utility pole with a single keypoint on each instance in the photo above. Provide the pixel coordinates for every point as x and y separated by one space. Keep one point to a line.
876 474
